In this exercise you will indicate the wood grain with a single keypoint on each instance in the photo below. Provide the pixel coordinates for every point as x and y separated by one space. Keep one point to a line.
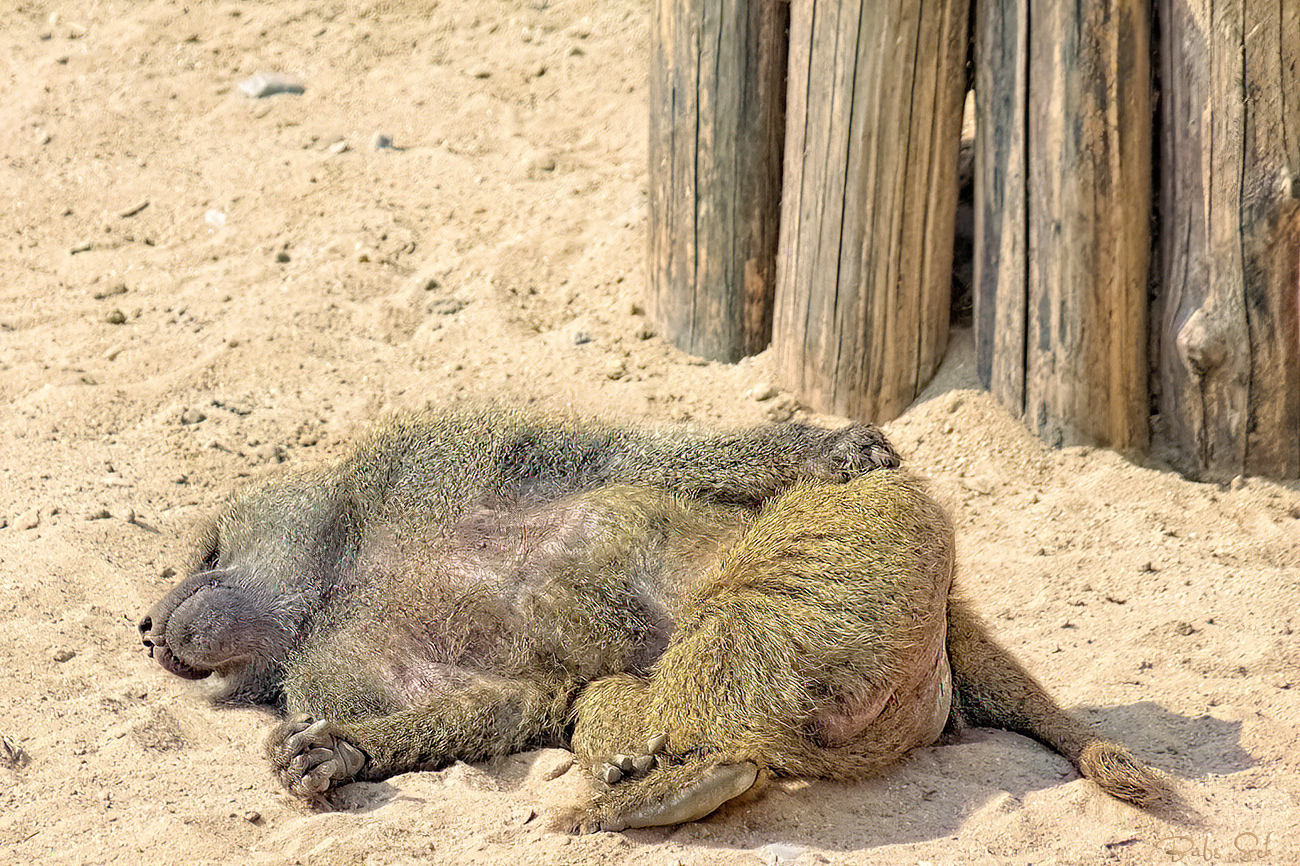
1229 326
873 132
717 118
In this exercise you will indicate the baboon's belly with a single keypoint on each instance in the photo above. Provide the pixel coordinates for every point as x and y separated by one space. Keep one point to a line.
577 589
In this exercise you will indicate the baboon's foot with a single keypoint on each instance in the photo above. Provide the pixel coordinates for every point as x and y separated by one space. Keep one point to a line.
310 756
623 767
856 450
664 797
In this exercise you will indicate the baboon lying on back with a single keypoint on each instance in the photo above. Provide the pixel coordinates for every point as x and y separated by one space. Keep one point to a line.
689 613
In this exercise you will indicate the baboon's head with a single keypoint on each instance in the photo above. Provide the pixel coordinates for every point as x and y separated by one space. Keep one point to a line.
259 572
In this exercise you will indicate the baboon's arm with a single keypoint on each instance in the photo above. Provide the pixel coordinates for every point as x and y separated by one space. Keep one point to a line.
750 466
488 718
744 467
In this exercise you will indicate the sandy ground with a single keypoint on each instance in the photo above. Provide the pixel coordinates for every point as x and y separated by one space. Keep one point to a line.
198 286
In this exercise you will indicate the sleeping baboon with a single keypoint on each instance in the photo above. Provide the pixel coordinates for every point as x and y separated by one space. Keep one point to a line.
689 612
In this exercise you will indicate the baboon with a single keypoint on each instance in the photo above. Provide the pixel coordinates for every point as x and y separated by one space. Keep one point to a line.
690 612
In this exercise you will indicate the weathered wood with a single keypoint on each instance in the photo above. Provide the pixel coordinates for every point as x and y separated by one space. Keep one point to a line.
1229 360
717 116
1001 200
872 138
1061 316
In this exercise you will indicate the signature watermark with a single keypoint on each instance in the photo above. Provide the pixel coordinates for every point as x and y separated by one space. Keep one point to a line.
1244 847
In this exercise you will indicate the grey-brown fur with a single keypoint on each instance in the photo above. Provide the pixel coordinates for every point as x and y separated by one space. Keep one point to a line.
488 582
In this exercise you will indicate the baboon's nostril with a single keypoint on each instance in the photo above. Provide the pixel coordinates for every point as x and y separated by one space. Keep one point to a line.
146 625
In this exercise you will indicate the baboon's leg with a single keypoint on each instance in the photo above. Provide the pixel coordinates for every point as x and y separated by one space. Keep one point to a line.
488 718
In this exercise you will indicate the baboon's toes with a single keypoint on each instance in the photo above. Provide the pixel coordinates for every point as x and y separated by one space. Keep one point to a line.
860 448
311 756
621 767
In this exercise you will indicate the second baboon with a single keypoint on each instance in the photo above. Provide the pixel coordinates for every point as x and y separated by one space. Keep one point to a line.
689 612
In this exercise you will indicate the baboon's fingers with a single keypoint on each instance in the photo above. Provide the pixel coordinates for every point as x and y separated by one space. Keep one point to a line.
860 448
696 800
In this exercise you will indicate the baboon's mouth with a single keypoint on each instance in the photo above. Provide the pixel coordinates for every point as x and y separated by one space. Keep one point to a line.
171 664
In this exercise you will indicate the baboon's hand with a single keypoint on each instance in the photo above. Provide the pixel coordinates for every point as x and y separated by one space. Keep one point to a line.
311 756
856 450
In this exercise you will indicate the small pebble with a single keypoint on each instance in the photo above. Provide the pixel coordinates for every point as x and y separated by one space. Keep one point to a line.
645 333
381 142
28 519
616 369
339 146
118 289
1184 628
282 257
64 655
192 416
100 514
253 817
270 83
562 765
762 392
581 338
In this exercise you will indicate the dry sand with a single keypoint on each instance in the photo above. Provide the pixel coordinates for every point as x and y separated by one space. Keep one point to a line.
198 286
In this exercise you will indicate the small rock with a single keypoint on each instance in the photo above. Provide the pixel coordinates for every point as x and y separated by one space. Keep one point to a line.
253 817
282 257
447 306
762 392
561 766
782 409
616 369
214 218
636 309
382 142
99 514
1238 483
111 354
64 655
118 289
480 72
270 83
581 338
192 416
28 519
12 755
167 572
1184 628
645 333
1295 511
116 317
778 854
269 453
340 146
84 247
576 51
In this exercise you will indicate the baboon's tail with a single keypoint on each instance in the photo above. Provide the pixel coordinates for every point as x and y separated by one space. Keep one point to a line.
991 689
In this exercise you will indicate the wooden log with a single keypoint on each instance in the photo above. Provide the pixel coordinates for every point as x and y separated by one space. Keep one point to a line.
1063 105
872 137
1229 327
717 118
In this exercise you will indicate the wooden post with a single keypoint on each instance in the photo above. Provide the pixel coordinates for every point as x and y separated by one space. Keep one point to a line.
717 117
1229 362
872 137
1063 177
